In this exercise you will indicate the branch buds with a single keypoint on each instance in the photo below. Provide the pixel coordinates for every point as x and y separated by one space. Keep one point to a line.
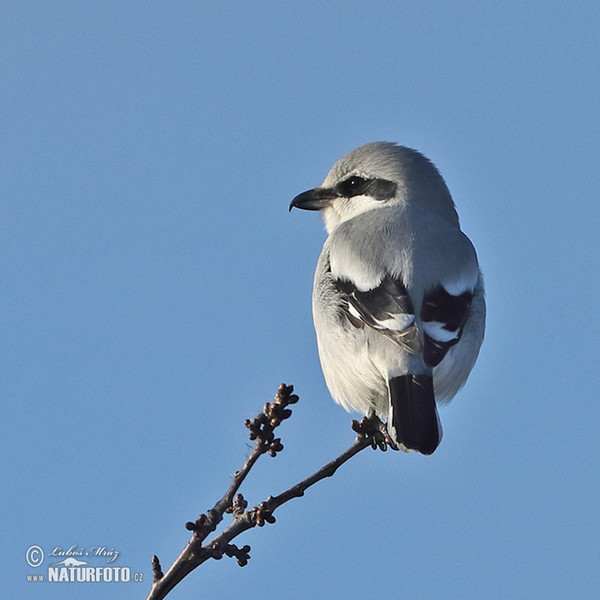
262 514
262 426
196 525
241 554
156 569
239 505
275 446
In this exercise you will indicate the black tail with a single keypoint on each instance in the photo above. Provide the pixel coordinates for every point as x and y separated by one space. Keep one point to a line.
413 415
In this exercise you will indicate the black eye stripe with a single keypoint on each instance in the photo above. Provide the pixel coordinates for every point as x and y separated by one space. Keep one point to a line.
380 189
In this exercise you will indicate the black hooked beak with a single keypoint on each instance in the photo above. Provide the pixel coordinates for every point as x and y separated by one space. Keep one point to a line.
315 199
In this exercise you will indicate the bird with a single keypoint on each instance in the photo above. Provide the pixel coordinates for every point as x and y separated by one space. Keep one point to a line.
398 295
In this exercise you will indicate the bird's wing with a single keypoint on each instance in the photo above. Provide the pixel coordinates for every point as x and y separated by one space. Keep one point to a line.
389 309
386 308
367 271
443 316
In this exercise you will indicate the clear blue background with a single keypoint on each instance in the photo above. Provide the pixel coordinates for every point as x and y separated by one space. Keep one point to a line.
155 290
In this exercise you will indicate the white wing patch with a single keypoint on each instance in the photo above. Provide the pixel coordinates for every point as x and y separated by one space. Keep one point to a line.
387 308
438 331
443 316
465 282
397 322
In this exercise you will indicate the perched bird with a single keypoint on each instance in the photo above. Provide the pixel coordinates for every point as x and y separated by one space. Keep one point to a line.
398 299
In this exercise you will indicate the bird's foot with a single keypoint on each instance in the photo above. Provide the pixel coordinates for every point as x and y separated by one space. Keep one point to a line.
372 429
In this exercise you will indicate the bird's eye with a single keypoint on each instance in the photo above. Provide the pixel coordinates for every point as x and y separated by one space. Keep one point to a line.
353 186
354 182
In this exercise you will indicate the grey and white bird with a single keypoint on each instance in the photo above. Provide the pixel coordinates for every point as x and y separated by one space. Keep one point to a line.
398 298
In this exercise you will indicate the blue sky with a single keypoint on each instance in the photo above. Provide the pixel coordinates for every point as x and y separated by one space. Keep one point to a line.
155 290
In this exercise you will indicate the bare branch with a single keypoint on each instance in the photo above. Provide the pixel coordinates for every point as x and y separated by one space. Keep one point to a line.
371 432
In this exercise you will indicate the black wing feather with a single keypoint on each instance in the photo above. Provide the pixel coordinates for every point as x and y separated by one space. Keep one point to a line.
387 308
451 313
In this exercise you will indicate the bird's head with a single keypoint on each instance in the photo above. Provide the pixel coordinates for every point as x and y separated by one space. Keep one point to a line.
376 175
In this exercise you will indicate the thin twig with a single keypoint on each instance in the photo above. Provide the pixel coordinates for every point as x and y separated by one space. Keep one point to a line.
371 432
